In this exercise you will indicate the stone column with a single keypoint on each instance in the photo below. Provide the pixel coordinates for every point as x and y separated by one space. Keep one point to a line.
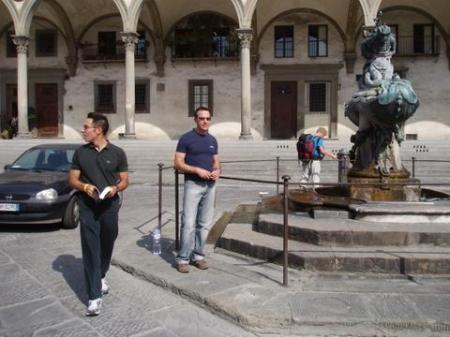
129 39
21 43
245 35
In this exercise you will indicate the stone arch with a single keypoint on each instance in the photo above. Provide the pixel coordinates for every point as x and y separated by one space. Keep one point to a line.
130 13
72 58
13 12
353 22
166 37
300 10
205 12
240 12
438 24
26 17
159 56
370 9
108 16
420 11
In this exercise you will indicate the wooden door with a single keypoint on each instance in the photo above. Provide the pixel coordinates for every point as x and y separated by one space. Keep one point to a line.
283 110
47 109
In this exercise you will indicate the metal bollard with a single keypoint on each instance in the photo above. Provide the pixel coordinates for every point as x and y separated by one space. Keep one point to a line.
285 229
343 165
160 167
177 210
278 174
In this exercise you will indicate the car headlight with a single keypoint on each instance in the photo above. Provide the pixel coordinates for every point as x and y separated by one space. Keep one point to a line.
48 195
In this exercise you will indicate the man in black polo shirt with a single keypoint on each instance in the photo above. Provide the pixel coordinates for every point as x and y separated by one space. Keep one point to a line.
197 156
96 167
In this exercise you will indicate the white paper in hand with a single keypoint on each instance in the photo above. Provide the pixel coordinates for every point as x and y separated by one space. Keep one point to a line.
101 195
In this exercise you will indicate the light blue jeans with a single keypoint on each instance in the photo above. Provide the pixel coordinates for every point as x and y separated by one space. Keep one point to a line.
310 172
196 219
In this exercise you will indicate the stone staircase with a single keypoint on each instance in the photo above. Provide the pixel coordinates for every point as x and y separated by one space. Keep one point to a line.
334 243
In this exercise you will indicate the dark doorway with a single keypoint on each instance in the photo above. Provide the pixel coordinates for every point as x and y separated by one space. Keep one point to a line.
47 109
11 102
283 110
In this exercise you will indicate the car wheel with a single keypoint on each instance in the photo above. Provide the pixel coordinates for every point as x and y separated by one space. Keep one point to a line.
72 214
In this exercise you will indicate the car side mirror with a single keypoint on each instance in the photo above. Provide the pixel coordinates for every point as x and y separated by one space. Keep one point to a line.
7 167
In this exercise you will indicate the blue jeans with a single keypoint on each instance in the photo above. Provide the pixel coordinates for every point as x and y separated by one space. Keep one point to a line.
196 219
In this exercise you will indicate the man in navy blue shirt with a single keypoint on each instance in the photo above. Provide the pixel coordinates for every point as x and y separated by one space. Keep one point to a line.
197 156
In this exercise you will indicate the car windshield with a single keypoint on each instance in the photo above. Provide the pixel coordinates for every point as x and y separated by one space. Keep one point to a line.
44 160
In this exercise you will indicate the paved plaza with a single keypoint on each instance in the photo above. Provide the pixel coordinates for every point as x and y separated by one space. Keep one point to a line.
42 287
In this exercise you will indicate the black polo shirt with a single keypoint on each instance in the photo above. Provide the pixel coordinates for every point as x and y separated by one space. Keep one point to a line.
100 168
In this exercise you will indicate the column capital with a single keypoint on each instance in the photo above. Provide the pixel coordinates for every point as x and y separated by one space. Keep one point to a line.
246 36
129 39
21 43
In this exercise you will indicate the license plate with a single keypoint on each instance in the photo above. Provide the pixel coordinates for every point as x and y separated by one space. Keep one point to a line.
9 207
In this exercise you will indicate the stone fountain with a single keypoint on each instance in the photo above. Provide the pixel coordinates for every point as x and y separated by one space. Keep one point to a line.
382 221
377 180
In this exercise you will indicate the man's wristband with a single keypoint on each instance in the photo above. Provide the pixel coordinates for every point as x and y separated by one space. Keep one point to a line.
85 187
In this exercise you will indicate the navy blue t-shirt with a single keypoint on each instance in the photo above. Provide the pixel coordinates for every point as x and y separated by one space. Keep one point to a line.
199 149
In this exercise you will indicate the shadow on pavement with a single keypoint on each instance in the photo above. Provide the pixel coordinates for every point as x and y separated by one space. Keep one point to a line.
71 269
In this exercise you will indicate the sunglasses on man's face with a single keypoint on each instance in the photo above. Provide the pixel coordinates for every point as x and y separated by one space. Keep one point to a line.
204 118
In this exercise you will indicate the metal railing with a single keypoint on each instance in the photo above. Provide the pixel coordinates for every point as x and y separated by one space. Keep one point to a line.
92 52
343 162
407 46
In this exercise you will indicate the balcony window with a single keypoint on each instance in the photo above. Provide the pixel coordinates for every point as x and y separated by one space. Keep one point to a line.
200 94
142 100
107 44
424 41
11 50
141 46
284 41
46 42
318 41
105 97
205 36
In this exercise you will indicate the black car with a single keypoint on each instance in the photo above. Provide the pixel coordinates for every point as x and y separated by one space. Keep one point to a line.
35 190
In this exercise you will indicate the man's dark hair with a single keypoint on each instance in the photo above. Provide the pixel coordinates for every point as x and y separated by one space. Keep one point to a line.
201 108
99 121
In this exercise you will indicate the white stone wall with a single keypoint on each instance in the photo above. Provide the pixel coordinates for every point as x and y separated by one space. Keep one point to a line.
168 117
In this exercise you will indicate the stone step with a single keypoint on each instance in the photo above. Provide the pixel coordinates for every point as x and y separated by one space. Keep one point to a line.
420 259
411 212
340 232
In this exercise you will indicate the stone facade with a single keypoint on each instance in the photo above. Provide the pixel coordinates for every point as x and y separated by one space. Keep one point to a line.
167 77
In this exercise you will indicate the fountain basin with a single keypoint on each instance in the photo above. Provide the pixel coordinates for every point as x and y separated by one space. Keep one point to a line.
432 206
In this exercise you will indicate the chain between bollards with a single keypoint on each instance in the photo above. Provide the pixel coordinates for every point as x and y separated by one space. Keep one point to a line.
286 228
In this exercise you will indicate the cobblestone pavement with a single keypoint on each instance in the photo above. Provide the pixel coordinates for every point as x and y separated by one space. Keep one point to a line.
42 291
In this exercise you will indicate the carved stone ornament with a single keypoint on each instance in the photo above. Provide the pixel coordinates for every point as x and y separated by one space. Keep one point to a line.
21 43
246 36
130 39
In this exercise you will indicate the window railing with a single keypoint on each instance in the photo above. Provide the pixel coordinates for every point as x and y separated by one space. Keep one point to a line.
221 49
429 46
92 52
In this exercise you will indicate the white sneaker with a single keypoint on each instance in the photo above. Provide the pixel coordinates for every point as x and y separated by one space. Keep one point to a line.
94 307
105 287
